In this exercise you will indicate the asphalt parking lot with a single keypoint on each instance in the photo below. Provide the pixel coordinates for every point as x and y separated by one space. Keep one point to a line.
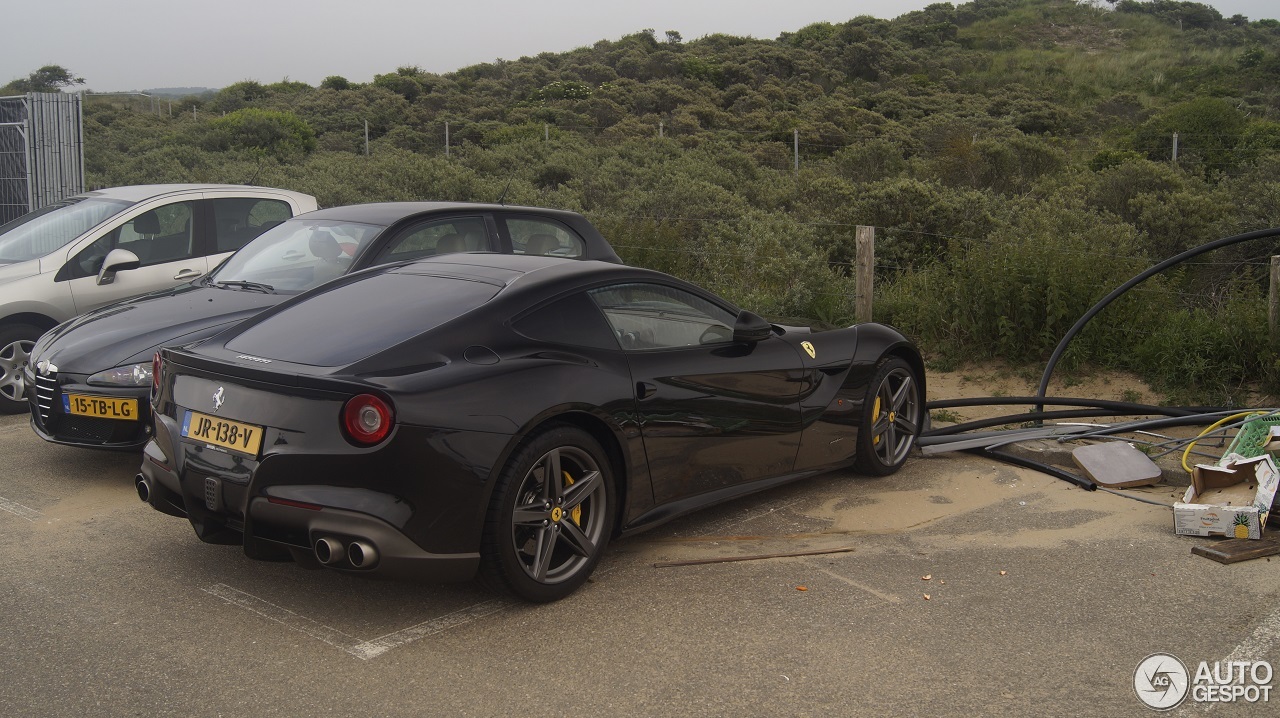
1042 599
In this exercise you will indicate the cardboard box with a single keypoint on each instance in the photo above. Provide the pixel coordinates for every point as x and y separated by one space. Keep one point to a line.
1231 500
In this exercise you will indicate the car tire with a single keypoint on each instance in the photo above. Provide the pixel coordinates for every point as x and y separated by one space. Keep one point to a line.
542 540
892 418
16 341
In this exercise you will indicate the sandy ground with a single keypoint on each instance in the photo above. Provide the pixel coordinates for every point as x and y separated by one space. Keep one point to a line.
998 380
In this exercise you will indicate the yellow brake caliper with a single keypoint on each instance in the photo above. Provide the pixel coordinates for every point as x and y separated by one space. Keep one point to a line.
875 416
576 514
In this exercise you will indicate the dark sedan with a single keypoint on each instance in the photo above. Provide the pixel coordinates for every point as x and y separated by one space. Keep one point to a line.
88 379
507 415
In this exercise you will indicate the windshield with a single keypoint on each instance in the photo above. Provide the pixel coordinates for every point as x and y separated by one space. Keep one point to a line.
297 255
38 233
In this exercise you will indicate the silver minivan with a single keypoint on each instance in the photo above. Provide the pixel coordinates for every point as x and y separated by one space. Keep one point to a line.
99 247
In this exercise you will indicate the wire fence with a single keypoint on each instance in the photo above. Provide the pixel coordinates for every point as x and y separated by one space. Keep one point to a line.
785 151
780 149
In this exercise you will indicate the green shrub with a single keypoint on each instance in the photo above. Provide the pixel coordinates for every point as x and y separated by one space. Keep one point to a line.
1209 354
1015 293
277 133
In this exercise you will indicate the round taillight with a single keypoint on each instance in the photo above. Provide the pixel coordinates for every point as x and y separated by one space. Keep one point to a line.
155 373
367 419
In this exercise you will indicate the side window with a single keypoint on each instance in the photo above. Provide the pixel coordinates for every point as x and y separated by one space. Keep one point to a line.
157 236
237 220
438 236
544 239
654 316
573 320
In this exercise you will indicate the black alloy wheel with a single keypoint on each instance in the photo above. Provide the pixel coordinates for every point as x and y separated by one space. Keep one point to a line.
551 516
891 418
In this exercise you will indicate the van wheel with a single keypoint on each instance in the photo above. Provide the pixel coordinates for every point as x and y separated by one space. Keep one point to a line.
16 341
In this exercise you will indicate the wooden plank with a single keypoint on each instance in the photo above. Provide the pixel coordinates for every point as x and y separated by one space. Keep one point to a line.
730 559
1236 550
1116 465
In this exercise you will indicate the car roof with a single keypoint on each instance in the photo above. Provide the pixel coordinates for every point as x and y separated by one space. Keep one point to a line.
140 192
521 263
386 213
529 271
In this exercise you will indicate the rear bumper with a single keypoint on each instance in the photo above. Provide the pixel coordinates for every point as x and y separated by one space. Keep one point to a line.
397 556
295 526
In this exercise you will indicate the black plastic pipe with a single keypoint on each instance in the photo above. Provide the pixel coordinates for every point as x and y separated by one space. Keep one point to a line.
1083 482
1198 420
1177 259
1020 418
1042 401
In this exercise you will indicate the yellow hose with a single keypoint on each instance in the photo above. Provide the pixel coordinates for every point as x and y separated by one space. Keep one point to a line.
1213 426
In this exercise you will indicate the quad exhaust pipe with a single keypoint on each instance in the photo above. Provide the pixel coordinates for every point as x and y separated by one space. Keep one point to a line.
331 552
158 497
362 554
143 486
328 550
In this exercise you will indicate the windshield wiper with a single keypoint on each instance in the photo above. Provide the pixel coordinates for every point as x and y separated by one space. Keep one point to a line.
252 286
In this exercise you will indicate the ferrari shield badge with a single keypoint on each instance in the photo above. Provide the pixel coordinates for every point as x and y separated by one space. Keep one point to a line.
808 349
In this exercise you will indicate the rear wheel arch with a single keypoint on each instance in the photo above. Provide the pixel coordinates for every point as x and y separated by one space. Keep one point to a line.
532 547
599 430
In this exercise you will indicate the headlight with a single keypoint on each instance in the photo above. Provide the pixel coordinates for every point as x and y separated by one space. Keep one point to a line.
132 375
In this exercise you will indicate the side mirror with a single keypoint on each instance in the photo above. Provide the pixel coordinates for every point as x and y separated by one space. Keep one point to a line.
751 328
117 260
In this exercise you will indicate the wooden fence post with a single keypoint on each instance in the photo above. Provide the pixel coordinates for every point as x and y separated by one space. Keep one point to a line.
864 272
1273 305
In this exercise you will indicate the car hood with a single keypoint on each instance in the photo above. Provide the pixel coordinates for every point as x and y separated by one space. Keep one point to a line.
18 270
130 331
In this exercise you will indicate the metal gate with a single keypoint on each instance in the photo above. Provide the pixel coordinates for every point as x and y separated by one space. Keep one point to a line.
41 151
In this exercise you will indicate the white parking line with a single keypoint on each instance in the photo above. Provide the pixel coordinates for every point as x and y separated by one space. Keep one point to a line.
723 525
363 650
283 616
891 598
18 509
378 646
1254 648
1265 637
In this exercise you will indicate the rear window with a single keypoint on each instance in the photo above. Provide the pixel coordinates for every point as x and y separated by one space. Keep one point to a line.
359 319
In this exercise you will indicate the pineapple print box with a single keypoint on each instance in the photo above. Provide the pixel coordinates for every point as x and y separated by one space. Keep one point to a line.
1231 500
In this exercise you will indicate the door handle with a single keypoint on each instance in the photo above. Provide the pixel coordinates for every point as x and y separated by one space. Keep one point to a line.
644 390
187 274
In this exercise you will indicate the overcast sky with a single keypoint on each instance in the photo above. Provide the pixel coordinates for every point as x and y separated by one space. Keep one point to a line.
138 44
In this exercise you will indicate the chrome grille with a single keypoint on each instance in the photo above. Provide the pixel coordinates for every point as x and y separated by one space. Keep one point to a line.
46 394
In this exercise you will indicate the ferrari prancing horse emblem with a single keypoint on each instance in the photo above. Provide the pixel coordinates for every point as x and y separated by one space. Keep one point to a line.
217 399
808 349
